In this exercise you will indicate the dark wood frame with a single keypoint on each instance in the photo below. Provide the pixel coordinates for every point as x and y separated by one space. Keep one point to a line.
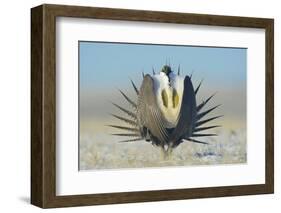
43 105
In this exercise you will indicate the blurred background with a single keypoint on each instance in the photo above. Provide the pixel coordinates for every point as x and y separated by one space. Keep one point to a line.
106 67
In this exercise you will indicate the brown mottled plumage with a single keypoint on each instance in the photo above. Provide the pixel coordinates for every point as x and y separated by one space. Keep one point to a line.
169 120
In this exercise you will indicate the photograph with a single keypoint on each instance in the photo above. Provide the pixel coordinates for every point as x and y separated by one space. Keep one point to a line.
143 105
161 105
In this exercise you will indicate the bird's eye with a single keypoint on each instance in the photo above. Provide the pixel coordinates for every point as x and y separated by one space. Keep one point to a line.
164 98
175 98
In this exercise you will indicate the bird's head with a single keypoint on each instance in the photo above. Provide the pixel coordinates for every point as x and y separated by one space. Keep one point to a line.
166 69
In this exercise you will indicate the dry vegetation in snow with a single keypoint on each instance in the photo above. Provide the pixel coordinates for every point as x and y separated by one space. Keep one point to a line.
102 151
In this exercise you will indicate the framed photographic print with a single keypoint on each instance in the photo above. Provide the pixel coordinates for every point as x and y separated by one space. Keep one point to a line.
136 106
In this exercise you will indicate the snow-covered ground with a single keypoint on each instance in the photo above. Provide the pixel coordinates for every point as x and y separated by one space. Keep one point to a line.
102 151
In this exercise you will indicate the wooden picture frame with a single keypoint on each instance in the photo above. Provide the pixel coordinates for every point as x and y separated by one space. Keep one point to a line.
43 105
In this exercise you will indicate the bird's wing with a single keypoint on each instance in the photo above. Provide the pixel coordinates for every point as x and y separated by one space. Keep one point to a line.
149 113
187 115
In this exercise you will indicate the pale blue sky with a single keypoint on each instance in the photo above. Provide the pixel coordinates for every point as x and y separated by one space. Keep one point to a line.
106 65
